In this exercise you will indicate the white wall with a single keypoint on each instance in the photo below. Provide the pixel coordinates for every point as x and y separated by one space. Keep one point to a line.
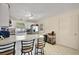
4 15
66 28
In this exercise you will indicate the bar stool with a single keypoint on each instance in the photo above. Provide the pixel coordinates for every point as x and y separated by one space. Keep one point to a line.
7 49
27 46
40 46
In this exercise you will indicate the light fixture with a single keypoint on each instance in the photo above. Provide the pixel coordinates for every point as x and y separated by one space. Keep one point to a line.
29 15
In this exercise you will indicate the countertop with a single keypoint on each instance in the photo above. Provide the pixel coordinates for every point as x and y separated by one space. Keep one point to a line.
15 38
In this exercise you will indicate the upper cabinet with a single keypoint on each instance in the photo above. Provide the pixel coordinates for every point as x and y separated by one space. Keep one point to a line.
4 15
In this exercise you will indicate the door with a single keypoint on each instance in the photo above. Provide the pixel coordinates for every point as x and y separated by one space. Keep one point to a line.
69 31
76 30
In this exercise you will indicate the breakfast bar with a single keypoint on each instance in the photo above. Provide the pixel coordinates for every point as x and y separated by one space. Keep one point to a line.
18 39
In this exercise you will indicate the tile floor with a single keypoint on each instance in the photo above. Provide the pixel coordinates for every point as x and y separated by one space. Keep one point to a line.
59 50
49 49
52 50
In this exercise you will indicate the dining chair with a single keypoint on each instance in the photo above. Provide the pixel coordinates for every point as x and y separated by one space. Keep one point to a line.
40 46
27 46
7 49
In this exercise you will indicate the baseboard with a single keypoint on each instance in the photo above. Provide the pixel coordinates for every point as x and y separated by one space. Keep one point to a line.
67 46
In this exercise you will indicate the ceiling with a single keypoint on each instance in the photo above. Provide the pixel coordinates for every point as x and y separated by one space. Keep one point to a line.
39 10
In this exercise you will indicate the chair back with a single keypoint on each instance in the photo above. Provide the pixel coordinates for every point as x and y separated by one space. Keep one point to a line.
7 49
27 44
40 41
